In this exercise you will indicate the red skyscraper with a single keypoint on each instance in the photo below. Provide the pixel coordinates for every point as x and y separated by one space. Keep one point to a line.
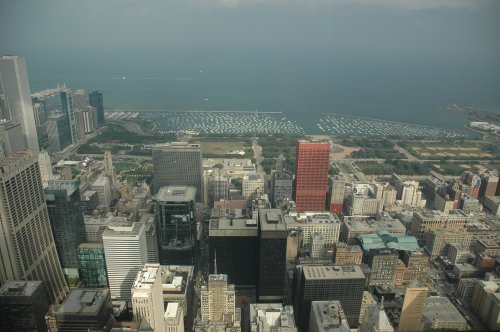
311 175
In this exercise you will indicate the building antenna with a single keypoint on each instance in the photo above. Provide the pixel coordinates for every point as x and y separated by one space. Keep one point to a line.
215 262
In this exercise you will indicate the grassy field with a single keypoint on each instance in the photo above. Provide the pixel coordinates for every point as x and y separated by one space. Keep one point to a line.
452 151
221 148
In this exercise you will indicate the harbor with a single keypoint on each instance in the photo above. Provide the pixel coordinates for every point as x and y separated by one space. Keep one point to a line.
272 123
348 125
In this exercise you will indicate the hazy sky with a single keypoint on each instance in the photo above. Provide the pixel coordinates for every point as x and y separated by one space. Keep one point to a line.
468 29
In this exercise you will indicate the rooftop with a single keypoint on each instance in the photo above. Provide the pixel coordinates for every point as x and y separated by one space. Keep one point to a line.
90 245
19 288
176 194
269 316
84 301
441 309
271 220
329 316
177 145
123 228
384 239
393 225
233 227
332 272
68 185
312 218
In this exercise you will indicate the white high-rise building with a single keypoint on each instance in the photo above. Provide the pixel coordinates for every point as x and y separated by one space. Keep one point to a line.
27 247
375 320
126 251
252 184
174 318
16 90
316 245
147 296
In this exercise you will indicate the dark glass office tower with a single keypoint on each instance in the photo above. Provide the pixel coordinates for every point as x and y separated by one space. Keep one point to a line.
235 242
66 219
95 100
176 225
177 164
272 255
323 283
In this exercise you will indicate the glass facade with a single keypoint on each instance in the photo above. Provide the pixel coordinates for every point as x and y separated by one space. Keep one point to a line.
176 232
92 266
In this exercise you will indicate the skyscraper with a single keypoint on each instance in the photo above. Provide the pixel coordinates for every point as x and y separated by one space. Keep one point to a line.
177 163
312 162
218 300
176 225
413 308
108 167
323 283
92 266
59 134
66 218
95 100
125 250
27 249
272 255
58 100
16 90
147 296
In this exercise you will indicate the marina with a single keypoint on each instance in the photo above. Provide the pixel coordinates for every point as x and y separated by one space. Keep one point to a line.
215 122
271 123
349 125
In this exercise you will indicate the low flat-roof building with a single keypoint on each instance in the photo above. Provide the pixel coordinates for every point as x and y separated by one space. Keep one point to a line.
327 316
385 240
354 226
267 317
441 314
307 223
83 309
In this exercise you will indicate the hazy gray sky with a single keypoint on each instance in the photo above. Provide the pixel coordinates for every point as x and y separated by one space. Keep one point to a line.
426 28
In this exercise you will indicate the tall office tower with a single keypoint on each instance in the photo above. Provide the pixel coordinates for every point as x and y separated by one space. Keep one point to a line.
45 168
147 296
176 225
383 264
4 111
125 251
323 283
327 316
16 93
336 193
151 237
311 175
103 188
66 219
23 305
89 119
413 308
92 265
174 318
59 100
27 249
280 163
80 123
84 309
108 167
272 255
11 138
79 102
489 183
218 187
281 187
95 100
375 320
58 132
40 118
235 242
177 164
218 300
